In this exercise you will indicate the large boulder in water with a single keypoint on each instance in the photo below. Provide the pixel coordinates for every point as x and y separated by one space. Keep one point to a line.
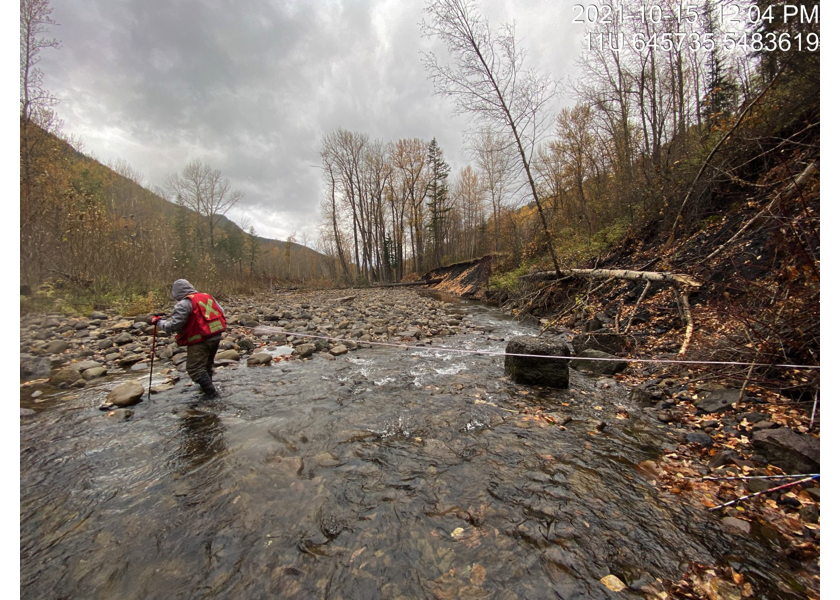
126 394
534 369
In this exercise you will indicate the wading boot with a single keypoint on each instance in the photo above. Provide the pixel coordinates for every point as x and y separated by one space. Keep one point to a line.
206 383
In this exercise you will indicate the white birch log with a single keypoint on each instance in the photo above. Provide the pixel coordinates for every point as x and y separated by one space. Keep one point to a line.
675 278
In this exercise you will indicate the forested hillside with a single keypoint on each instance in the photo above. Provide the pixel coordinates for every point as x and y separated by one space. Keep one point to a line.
676 116
100 230
693 147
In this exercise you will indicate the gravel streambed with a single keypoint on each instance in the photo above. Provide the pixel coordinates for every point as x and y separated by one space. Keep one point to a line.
59 352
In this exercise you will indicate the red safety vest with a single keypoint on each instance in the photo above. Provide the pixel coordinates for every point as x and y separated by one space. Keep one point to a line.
205 321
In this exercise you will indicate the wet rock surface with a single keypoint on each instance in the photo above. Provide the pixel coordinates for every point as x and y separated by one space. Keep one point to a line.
532 369
792 451
600 363
125 394
383 471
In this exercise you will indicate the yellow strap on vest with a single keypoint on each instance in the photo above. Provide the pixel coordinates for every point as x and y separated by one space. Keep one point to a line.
209 311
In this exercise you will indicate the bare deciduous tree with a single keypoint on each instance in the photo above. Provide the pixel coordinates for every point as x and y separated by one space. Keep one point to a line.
410 180
205 191
495 163
35 115
488 82
34 22
469 204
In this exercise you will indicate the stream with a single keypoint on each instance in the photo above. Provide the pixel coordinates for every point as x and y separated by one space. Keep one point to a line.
389 473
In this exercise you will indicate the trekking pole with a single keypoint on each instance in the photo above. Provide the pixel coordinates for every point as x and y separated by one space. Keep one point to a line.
780 487
152 363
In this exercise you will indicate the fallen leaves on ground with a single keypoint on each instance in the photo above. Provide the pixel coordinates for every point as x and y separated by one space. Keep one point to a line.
613 583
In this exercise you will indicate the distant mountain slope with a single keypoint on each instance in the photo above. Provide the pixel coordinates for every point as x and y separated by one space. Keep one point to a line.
129 198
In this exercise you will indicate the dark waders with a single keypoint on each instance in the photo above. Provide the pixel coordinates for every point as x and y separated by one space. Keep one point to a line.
152 362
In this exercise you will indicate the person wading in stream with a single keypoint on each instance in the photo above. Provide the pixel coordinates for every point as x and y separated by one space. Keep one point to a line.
198 321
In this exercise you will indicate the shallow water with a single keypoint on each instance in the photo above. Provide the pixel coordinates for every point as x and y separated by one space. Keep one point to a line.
387 473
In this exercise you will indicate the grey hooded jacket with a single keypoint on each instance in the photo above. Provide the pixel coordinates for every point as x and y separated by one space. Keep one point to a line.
180 290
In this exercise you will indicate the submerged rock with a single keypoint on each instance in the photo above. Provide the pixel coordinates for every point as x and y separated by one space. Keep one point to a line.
121 414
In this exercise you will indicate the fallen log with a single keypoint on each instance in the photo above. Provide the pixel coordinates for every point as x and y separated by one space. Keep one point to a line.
617 273
421 282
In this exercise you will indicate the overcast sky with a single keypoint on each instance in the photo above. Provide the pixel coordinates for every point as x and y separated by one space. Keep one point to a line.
250 87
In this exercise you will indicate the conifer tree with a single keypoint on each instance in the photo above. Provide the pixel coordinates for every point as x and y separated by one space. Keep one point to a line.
722 94
437 194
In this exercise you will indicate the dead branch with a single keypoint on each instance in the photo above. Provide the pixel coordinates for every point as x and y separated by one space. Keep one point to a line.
814 410
717 147
743 391
785 194
650 263
689 327
636 306
618 315
619 274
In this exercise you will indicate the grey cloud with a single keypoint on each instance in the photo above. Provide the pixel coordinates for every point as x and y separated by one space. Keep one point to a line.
251 87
